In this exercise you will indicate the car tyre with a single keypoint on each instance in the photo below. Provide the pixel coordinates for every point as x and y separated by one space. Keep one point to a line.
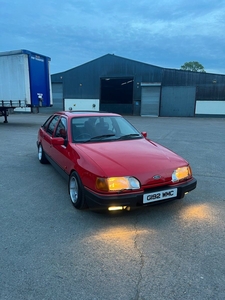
75 188
41 155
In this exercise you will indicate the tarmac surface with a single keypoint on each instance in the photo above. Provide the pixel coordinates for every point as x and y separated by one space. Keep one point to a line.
174 250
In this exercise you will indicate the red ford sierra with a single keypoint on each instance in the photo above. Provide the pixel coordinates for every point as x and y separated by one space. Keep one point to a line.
109 164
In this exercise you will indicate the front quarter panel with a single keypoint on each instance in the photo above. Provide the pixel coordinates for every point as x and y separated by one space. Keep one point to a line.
85 166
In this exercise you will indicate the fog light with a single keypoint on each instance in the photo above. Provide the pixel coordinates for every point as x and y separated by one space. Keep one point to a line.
111 208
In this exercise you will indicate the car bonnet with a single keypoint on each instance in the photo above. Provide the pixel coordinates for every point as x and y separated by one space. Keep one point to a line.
139 158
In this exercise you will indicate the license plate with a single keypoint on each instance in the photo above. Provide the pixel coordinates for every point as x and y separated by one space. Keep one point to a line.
161 195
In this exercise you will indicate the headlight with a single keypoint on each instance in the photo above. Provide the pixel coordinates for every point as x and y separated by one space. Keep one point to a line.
113 184
181 174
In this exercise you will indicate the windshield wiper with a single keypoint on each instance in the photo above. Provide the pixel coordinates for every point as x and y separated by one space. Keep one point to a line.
101 136
129 136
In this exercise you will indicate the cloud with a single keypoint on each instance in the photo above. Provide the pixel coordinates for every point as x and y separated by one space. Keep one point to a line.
72 32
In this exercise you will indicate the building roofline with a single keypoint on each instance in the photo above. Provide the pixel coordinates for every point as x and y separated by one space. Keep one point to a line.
136 61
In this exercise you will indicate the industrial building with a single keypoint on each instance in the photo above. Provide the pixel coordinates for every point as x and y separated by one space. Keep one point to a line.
116 84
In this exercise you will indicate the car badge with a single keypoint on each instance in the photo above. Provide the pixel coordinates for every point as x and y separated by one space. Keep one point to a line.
156 177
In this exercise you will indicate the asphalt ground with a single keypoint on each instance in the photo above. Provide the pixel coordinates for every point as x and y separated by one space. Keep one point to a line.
50 250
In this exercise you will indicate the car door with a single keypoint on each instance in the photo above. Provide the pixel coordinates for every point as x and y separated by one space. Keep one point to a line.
47 135
60 152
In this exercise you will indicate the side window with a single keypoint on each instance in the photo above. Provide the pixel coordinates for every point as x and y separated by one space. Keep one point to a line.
61 130
45 125
51 125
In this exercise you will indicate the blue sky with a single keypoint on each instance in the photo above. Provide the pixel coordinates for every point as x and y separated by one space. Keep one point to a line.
165 33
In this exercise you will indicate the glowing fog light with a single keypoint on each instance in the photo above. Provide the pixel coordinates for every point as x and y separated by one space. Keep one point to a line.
112 208
181 174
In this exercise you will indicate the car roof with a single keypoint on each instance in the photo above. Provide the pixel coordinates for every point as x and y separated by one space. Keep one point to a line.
77 113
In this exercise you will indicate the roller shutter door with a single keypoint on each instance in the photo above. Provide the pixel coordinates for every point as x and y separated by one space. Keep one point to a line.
150 97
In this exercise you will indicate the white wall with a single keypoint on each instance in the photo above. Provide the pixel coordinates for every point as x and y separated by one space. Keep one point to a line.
81 104
210 107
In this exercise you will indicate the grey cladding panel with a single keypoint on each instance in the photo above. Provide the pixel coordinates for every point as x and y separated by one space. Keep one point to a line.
178 101
57 95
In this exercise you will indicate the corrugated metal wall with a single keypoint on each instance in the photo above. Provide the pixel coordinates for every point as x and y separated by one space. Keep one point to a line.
84 82
208 86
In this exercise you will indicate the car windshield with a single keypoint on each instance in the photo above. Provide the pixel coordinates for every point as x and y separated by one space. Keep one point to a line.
102 128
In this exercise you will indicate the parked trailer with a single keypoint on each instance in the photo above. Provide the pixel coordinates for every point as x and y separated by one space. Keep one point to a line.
24 81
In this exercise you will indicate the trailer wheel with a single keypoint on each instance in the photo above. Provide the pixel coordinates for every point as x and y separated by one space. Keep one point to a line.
41 155
75 188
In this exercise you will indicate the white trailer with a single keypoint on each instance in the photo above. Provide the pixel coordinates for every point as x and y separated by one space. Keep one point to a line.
24 81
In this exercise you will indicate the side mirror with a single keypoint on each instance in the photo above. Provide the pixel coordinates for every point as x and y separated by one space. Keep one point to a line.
58 141
144 133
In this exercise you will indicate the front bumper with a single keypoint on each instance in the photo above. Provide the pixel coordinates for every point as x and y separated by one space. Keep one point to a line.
134 199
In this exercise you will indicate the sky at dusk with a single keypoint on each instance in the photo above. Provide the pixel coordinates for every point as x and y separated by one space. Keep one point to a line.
72 32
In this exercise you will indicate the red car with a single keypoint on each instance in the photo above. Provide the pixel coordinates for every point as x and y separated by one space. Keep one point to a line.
109 164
